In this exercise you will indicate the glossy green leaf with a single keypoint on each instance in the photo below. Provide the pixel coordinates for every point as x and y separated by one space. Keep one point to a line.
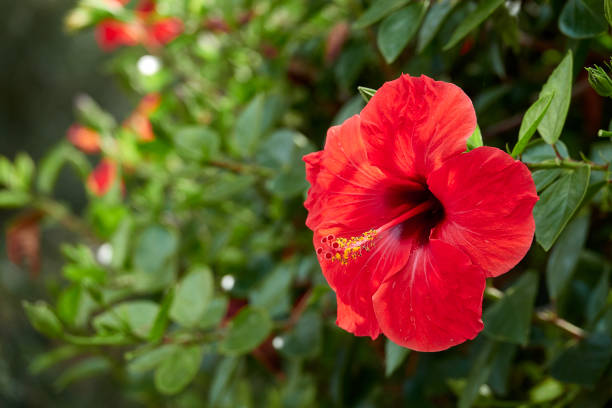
149 360
14 198
582 18
43 319
509 319
247 330
485 9
479 372
564 255
178 369
531 120
378 10
255 121
396 31
547 390
558 203
559 84
433 21
217 308
394 356
599 295
272 294
193 294
153 258
163 314
585 362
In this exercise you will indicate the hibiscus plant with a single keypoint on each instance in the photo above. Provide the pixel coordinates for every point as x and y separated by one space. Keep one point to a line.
360 203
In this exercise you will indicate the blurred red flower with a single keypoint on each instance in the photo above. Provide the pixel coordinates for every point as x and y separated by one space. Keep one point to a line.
146 27
101 179
85 139
406 225
138 122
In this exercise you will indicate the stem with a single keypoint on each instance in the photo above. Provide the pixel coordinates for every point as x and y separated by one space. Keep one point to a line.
543 315
241 168
566 164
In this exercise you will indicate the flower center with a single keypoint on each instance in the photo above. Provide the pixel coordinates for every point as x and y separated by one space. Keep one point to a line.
416 220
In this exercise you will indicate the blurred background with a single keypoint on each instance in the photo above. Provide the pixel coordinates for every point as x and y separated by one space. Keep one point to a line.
281 73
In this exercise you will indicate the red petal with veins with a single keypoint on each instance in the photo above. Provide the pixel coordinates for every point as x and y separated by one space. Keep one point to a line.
435 302
488 198
412 125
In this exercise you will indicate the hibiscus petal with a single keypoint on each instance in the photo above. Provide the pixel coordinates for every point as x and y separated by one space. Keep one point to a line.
412 125
488 198
435 302
345 189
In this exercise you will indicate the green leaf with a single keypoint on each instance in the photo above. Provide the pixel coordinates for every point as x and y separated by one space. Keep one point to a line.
153 259
378 10
394 357
547 390
305 339
530 123
585 362
558 203
255 121
44 361
91 114
582 18
14 198
433 21
196 142
608 10
480 371
599 295
485 9
193 294
509 319
221 379
564 255
84 273
161 320
134 317
246 331
53 162
149 360
366 93
217 309
24 168
178 369
89 367
398 29
272 294
475 140
559 84
43 319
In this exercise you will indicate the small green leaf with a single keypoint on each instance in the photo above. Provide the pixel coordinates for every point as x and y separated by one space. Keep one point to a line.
217 309
564 255
559 84
161 320
608 10
196 142
92 115
305 340
585 362
547 390
14 198
43 319
246 331
178 369
509 319
86 368
475 140
193 294
366 93
378 10
272 294
531 120
394 357
484 10
44 361
255 121
480 371
582 18
433 21
398 29
149 360
558 203
599 295
135 318
221 379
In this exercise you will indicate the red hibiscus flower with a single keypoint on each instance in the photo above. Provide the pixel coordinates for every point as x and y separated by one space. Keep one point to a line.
407 226
85 139
102 177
